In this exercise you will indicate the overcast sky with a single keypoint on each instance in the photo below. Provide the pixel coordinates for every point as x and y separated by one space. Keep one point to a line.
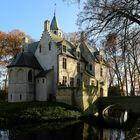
29 15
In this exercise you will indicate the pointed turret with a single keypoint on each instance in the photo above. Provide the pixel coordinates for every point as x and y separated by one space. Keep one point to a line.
54 27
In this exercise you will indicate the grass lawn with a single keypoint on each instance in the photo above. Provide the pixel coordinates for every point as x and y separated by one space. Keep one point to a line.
37 111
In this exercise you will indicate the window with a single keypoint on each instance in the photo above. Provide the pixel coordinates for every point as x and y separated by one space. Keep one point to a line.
30 76
11 96
78 82
50 45
20 96
101 92
92 82
43 80
101 71
101 58
64 63
90 67
64 82
54 32
64 48
40 48
38 80
71 82
78 54
78 67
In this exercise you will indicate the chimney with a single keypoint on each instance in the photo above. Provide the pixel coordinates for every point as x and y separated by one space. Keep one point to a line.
83 37
24 44
47 25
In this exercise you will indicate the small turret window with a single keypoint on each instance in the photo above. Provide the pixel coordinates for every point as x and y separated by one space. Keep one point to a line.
54 32
30 76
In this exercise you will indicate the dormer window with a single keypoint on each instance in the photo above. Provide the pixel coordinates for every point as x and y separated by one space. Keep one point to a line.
50 45
64 48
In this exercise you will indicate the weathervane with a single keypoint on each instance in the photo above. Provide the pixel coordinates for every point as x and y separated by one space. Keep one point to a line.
54 8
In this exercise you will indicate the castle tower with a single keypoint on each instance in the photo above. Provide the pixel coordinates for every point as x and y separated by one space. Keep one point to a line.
54 27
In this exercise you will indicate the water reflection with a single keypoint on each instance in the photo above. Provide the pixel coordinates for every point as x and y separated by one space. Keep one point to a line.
115 113
4 135
77 131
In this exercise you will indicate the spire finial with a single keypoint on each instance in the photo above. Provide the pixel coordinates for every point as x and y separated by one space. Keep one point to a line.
54 9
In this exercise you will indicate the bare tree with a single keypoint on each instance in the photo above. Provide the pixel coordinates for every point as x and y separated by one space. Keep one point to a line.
104 16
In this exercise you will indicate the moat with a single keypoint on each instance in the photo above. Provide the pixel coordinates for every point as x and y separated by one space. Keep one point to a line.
72 130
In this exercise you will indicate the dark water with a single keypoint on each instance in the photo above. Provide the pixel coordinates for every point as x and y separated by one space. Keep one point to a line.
62 131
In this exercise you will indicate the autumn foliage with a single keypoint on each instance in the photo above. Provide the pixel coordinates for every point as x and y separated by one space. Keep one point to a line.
10 45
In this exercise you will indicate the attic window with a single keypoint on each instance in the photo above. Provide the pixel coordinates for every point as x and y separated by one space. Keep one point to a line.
64 48
50 45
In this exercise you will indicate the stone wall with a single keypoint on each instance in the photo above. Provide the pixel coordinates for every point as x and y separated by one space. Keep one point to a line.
83 98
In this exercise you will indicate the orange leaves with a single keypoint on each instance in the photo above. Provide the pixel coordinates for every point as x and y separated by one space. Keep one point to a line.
10 45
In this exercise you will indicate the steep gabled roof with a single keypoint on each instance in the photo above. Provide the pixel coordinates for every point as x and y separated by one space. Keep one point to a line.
32 47
26 59
54 25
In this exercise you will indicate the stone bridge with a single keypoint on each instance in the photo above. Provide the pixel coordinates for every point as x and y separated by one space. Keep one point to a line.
131 103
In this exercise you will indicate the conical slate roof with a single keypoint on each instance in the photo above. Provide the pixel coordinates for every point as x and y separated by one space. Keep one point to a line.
54 25
26 59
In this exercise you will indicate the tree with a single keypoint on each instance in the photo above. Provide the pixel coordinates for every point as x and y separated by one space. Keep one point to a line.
9 48
104 16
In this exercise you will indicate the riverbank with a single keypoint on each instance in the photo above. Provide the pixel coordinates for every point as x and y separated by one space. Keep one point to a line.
37 111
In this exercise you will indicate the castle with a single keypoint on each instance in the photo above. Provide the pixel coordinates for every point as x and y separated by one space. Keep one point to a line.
56 69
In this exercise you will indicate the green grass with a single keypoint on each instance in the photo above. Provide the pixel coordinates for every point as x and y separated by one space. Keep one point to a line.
37 111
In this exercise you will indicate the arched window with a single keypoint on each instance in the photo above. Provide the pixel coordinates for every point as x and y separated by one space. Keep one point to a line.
20 96
30 76
50 45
